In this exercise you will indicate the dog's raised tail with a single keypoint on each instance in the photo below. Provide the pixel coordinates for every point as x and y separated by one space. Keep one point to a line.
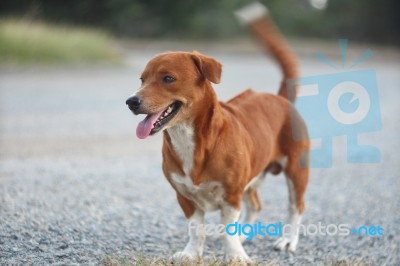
255 17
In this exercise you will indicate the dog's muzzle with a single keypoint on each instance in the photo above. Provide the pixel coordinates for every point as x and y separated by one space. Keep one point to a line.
133 103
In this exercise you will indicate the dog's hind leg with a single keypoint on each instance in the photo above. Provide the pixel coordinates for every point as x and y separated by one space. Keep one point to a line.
296 179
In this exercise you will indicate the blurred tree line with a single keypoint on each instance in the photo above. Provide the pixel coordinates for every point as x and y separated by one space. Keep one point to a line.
362 20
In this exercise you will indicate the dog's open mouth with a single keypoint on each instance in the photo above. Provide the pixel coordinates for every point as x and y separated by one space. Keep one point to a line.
155 122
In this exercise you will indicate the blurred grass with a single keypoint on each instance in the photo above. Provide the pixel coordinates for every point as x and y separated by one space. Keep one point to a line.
24 42
143 260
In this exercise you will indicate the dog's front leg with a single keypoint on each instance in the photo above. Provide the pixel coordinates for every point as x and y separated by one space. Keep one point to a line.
233 246
195 246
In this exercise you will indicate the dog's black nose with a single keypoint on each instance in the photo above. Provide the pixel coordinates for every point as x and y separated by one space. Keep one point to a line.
133 102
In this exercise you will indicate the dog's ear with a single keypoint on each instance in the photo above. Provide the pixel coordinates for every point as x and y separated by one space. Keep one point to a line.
209 68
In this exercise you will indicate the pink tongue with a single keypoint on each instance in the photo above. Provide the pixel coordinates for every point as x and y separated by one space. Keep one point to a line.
144 127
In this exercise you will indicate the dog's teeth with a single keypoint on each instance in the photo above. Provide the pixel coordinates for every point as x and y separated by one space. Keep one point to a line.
164 115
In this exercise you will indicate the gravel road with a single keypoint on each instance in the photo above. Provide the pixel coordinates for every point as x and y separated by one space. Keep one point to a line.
77 186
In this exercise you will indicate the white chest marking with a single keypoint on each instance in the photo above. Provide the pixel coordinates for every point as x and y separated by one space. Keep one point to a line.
183 142
207 196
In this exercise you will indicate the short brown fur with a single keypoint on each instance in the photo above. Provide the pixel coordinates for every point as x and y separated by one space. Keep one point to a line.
235 141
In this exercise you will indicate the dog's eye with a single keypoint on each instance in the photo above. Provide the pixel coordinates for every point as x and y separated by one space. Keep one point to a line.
168 79
141 79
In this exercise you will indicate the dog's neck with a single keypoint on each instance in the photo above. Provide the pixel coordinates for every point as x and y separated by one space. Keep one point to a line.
182 139
188 138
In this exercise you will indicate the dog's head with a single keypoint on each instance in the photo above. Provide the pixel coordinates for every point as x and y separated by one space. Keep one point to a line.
172 84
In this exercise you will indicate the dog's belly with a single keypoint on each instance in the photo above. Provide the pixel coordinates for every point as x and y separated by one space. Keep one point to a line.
206 196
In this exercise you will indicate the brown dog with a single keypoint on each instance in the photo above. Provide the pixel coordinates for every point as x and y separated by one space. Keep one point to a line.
214 153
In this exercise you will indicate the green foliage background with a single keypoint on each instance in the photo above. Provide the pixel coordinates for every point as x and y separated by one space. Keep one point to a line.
362 20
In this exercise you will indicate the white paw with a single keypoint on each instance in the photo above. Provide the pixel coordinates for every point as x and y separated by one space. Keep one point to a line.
281 243
284 243
183 256
293 245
